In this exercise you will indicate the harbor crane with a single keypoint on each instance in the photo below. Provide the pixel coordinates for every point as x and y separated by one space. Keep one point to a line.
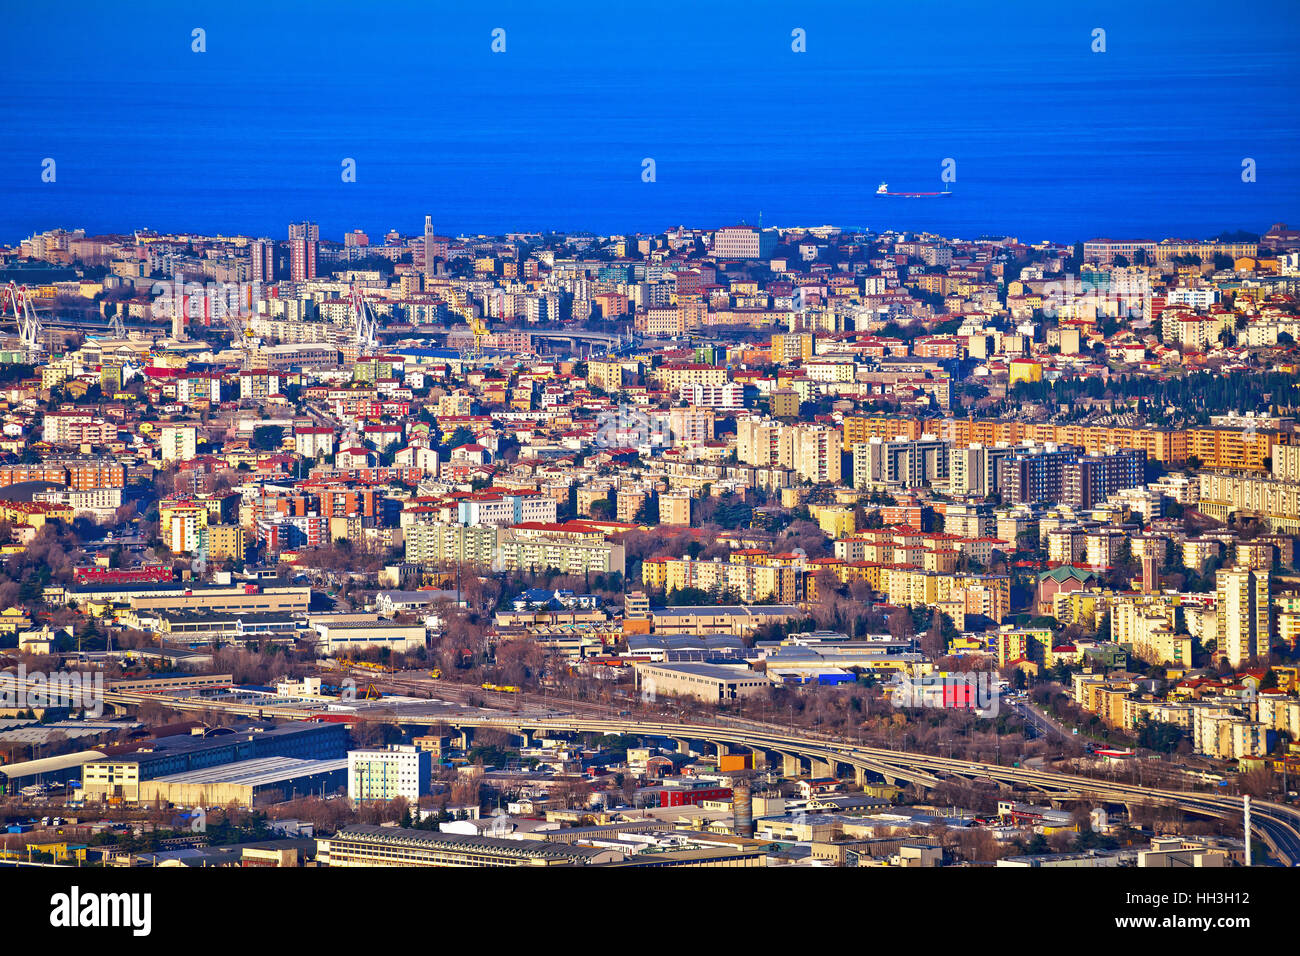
469 340
365 327
24 315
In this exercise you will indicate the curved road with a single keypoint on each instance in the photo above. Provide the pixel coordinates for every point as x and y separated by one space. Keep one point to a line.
1277 825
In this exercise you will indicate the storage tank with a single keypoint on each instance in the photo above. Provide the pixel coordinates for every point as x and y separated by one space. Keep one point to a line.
742 805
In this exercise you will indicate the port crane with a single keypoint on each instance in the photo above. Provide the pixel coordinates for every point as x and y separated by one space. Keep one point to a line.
365 327
24 315
460 339
241 333
480 330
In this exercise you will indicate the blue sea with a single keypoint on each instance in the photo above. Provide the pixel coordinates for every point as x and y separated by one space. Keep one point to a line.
1050 140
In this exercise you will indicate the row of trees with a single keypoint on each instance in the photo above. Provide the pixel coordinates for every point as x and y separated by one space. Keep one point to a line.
1197 395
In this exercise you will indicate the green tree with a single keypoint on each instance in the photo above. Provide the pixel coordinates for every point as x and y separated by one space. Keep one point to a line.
648 512
266 438
1159 736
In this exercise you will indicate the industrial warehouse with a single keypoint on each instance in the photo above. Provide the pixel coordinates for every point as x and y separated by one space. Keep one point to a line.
369 845
248 783
119 777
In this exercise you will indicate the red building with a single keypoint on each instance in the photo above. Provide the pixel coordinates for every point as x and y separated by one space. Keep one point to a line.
682 796
145 574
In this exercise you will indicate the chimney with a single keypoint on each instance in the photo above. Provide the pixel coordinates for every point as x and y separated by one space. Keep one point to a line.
742 808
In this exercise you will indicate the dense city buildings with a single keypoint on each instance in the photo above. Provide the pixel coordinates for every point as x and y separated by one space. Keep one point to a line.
710 547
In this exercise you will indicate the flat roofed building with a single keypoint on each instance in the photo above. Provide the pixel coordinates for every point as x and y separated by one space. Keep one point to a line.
299 355
119 777
743 242
1242 610
1090 860
369 845
389 773
701 857
286 600
181 597
248 783
335 638
158 683
710 682
719 619
199 627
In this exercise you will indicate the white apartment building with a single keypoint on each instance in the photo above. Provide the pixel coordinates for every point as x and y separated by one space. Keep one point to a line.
1193 298
183 533
1226 736
98 502
498 511
1279 712
399 770
178 442
730 395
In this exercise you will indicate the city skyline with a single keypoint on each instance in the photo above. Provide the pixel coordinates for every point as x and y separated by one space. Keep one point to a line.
376 237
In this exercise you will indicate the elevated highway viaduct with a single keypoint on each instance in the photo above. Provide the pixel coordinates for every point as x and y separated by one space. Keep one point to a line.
1278 826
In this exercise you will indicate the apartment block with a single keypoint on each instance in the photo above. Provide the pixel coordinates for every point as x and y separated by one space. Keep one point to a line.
386 774
1243 614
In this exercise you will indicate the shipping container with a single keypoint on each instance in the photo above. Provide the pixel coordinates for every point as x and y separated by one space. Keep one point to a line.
729 763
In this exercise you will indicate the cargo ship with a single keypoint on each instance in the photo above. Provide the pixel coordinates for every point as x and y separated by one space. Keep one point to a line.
883 190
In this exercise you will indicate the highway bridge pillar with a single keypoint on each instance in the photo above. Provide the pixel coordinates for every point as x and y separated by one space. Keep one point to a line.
860 776
791 765
463 737
822 768
723 749
683 746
